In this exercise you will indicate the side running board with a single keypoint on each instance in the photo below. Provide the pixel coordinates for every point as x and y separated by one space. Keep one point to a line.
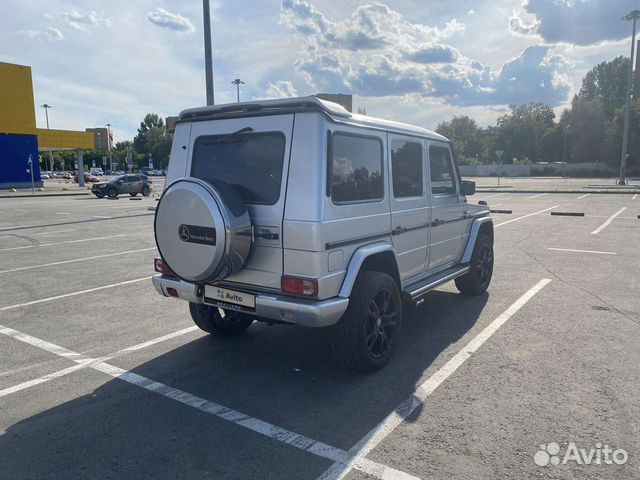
420 288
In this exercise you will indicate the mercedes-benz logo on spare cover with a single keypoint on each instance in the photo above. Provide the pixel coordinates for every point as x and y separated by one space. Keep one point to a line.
183 233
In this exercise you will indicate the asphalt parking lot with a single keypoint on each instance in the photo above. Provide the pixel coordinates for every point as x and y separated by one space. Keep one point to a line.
102 378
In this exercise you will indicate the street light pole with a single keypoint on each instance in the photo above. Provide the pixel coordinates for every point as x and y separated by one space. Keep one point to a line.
46 114
564 151
237 82
109 146
627 112
208 56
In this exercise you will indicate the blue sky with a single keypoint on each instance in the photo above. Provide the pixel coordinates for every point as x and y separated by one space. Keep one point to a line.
418 61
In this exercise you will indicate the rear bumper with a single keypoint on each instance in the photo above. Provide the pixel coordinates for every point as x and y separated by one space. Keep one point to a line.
309 313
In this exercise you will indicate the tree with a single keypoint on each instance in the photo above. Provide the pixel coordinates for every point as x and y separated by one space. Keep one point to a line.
615 130
151 121
587 131
465 136
519 132
607 81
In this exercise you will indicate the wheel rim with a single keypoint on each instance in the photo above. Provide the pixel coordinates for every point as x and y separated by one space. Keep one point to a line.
484 264
381 321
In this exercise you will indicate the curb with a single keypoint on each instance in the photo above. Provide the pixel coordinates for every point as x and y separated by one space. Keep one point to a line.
45 195
494 190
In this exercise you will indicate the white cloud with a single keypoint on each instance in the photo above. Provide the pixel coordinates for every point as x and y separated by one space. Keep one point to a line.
518 26
281 89
416 61
581 22
172 21
49 34
82 22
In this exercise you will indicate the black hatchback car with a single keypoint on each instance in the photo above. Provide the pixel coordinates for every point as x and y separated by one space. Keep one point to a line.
131 184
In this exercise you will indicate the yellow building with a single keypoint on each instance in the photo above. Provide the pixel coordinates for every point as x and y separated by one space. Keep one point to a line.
20 140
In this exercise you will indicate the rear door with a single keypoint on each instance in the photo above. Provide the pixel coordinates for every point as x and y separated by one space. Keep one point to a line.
447 208
409 203
252 155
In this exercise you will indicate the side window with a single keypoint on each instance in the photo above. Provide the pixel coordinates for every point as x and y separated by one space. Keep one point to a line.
406 163
441 167
356 169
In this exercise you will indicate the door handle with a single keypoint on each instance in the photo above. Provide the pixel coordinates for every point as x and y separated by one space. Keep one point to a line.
398 230
436 222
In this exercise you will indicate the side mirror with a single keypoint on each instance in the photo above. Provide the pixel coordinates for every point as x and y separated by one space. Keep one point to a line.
468 187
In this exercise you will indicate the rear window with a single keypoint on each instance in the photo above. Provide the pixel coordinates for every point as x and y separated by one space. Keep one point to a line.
355 169
251 163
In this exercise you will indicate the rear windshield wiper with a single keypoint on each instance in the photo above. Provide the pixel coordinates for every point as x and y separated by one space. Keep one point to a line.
233 134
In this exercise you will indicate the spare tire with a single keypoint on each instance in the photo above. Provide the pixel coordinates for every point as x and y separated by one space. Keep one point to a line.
203 231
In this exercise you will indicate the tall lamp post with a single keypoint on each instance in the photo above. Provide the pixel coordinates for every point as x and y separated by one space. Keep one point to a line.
564 150
208 56
108 125
634 16
237 82
46 114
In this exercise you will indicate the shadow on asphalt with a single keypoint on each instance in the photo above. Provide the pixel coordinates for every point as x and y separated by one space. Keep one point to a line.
283 375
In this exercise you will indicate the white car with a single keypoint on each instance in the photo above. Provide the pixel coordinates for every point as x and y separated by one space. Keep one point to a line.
335 223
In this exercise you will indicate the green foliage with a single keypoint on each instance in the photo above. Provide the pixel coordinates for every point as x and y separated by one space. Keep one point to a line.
589 131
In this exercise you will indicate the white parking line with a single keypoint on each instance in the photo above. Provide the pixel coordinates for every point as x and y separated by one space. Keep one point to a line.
251 423
608 221
581 251
62 243
536 196
406 408
72 294
497 194
40 233
62 213
86 363
101 216
583 196
19 269
525 216
634 197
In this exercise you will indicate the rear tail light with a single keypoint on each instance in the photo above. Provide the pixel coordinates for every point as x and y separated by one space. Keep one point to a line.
307 287
160 266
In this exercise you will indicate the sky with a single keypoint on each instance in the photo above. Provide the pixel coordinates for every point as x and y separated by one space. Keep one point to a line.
416 61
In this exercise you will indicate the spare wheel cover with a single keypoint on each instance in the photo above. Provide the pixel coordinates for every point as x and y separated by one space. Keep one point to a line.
200 238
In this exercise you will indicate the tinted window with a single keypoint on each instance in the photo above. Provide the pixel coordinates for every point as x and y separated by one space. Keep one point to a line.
356 169
116 179
441 167
406 163
251 163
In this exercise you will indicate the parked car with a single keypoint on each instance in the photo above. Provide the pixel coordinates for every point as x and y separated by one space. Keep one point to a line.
131 184
375 216
87 178
44 176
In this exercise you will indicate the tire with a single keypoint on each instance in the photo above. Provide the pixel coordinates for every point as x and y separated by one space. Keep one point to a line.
367 333
219 322
112 193
99 195
477 280
146 191
133 194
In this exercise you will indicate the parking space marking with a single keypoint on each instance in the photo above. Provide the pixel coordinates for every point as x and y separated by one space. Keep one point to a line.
608 221
72 294
101 216
62 243
402 411
583 196
72 222
634 197
581 251
40 233
496 195
62 213
538 195
256 425
106 255
86 363
525 216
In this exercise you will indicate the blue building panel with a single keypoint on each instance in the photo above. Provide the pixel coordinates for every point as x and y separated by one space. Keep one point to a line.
14 154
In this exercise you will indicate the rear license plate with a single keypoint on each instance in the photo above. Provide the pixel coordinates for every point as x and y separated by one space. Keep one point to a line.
223 297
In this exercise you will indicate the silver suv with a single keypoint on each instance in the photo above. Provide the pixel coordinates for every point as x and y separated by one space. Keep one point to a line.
297 211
